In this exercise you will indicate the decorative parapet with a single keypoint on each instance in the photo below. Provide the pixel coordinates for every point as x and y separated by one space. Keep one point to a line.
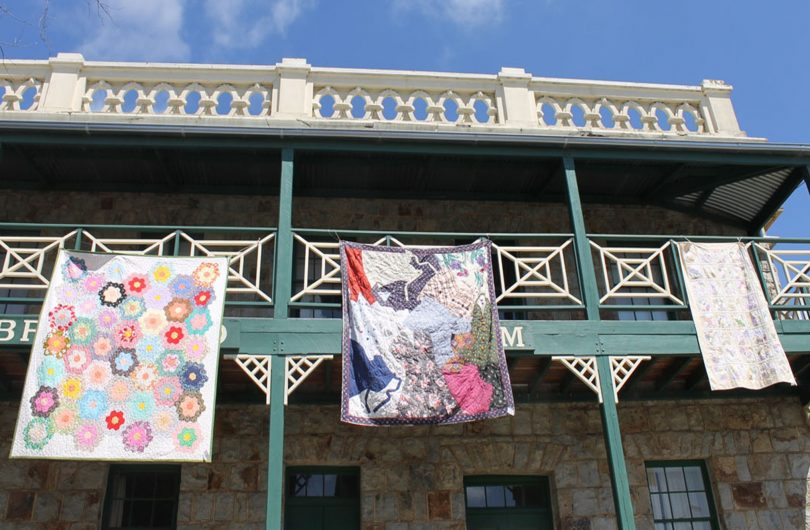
67 87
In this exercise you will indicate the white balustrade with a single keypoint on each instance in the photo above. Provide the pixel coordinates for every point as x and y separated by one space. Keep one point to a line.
294 92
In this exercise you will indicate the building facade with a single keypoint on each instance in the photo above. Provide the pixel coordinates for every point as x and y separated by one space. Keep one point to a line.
584 187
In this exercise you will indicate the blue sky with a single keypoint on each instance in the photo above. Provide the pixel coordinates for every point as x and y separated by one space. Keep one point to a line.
761 49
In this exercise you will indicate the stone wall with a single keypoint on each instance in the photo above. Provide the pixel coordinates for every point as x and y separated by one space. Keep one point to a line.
369 214
757 453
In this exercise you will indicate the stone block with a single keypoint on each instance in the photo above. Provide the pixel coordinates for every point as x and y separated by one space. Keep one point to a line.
223 507
439 507
748 495
588 474
768 466
774 494
576 523
585 502
46 507
799 465
789 439
20 505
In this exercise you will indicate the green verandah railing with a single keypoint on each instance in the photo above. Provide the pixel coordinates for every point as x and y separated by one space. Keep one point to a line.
28 252
638 276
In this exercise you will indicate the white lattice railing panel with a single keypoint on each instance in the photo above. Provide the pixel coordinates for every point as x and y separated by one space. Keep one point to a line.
246 257
635 273
656 116
539 272
178 99
27 260
321 263
790 270
404 105
299 368
584 368
622 369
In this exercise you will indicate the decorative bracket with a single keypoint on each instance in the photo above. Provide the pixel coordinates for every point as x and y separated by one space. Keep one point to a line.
585 369
622 368
298 368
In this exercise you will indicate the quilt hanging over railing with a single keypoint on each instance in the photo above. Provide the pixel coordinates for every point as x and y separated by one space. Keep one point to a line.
124 363
421 336
737 337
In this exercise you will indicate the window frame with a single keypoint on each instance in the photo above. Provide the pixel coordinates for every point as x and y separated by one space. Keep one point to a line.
544 481
712 519
116 469
324 501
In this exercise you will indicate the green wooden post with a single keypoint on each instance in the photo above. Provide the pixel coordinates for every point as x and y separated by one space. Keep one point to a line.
610 417
284 240
275 451
281 300
587 276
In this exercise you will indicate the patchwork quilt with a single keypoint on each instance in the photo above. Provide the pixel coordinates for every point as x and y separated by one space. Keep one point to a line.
421 336
735 330
124 363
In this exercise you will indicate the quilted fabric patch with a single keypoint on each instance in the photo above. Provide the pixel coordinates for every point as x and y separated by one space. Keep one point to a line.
421 336
124 363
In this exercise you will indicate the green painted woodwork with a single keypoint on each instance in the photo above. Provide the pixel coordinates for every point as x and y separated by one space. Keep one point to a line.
613 444
665 465
275 455
278 364
339 511
447 144
537 515
587 275
284 239
610 418
543 338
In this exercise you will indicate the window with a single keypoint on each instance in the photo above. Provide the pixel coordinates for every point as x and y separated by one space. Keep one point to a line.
141 497
680 497
508 503
322 499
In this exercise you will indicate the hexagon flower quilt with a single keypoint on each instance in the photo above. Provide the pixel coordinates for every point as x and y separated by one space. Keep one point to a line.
124 362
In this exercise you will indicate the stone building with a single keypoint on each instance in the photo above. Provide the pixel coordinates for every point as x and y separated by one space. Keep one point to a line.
583 187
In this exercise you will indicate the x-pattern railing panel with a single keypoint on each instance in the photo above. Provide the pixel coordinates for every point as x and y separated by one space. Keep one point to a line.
539 272
27 259
245 256
635 272
791 275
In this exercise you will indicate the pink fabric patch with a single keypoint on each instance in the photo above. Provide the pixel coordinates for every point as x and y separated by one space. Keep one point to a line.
472 393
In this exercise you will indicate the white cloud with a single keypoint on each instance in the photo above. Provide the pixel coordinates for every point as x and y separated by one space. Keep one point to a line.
465 13
246 23
139 29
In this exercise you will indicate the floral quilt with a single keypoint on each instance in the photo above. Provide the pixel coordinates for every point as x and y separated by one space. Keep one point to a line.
421 336
124 363
735 330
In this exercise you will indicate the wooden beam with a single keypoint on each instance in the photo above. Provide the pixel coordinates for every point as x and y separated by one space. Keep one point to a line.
696 377
677 366
542 370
